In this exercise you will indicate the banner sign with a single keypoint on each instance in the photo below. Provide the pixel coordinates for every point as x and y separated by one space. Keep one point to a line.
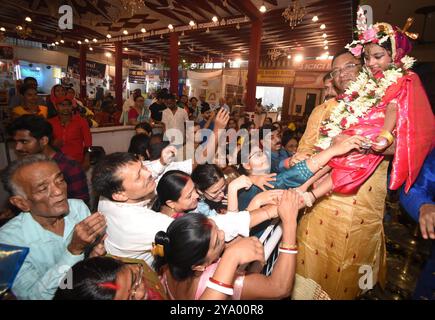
276 76
93 69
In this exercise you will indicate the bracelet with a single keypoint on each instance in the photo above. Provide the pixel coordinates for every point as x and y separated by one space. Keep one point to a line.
284 250
229 286
214 286
288 246
306 197
315 198
314 161
387 135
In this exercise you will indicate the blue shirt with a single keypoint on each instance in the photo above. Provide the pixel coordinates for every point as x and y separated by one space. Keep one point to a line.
277 159
48 259
205 209
423 190
290 178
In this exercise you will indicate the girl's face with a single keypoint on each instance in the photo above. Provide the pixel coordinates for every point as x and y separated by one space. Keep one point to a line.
188 199
292 145
216 192
376 58
31 97
131 283
59 91
258 162
70 94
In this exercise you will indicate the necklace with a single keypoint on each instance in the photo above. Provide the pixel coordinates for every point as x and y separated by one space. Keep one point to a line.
360 97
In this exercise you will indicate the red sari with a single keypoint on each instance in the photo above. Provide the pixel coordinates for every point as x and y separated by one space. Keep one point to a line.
415 138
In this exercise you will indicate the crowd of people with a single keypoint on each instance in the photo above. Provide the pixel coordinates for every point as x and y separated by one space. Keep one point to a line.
173 223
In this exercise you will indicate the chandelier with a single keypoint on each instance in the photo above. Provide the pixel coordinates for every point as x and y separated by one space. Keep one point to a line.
274 54
294 13
132 5
23 32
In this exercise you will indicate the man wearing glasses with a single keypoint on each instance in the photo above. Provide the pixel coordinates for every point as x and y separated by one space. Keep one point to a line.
335 238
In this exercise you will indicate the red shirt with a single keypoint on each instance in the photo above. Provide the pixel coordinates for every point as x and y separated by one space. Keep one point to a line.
75 136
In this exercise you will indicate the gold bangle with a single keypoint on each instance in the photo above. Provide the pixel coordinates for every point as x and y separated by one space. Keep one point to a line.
289 246
387 135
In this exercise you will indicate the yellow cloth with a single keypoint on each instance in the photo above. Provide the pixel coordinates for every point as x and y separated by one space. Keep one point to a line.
20 111
341 233
311 134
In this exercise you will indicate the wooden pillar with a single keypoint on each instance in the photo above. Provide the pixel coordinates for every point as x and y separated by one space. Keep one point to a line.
118 73
83 48
254 61
173 62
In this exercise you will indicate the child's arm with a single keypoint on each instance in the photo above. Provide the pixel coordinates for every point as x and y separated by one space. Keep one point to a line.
385 138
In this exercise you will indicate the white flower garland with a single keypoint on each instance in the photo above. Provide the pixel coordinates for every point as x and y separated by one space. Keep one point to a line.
362 94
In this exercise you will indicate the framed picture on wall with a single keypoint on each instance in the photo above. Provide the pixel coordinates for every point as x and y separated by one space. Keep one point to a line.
298 109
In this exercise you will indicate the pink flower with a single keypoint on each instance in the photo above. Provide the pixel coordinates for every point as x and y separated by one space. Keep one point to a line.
369 34
379 75
356 51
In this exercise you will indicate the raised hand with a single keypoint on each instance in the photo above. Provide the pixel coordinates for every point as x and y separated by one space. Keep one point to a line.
246 250
168 155
221 120
289 206
242 182
262 181
86 231
348 144
272 197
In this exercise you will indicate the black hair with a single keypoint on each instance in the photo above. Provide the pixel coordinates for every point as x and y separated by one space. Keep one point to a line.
287 136
146 126
204 109
36 125
206 175
192 99
170 186
139 144
27 79
264 129
185 243
137 97
155 148
87 275
26 88
327 77
246 125
70 88
386 45
105 180
340 53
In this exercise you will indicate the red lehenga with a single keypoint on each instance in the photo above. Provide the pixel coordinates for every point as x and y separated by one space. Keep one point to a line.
415 138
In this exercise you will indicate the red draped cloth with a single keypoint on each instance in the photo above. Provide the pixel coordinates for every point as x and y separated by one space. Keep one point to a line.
415 138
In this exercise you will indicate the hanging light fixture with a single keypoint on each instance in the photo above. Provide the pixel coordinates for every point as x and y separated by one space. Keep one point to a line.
62 41
263 8
108 36
143 30
214 19
24 32
28 19
79 42
86 40
315 19
94 40
294 13
91 49
191 23
125 32
322 27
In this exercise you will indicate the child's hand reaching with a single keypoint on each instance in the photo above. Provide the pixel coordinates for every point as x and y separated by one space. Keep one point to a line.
382 142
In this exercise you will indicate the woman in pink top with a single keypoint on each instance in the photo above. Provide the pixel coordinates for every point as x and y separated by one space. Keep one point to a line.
195 263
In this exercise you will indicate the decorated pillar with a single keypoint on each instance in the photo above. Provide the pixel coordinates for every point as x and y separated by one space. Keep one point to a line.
173 62
118 73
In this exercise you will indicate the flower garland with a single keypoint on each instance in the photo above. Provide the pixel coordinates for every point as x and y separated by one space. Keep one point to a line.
363 93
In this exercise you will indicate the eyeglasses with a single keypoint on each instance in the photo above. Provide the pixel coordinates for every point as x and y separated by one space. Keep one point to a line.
137 283
346 68
216 193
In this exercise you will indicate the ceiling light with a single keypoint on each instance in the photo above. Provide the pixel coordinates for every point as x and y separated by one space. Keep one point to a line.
108 54
191 23
109 36
125 49
56 43
94 40
143 30
125 32
62 41
20 28
229 60
315 18
86 40
28 19
322 26
91 49
214 19
151 60
263 9
184 61
325 47
2 29
79 42
325 42
324 35
289 57
171 27
179 42
299 58
53 44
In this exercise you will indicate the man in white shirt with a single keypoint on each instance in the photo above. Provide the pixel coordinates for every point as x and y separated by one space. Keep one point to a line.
126 187
174 117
